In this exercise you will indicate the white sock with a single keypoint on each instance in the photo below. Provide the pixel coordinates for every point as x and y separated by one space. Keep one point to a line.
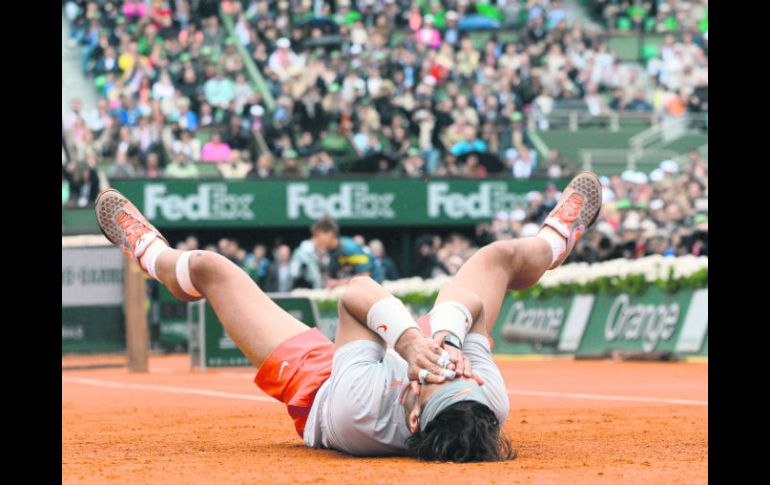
150 256
557 241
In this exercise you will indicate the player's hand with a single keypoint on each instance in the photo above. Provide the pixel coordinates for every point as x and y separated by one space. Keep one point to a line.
462 363
423 353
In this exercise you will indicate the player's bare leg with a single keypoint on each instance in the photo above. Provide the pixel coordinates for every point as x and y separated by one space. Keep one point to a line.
520 263
255 323
482 282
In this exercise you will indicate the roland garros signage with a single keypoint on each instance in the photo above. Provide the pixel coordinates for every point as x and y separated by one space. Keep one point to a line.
296 203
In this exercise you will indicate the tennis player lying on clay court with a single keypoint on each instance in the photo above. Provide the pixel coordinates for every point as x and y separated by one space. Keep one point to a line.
387 385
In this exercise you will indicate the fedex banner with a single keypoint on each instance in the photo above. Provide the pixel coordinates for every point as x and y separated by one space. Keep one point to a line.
287 203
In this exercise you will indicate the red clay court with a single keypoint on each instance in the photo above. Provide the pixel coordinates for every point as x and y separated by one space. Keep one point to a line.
571 422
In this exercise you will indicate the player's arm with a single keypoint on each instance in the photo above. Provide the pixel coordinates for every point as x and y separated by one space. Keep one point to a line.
368 312
457 313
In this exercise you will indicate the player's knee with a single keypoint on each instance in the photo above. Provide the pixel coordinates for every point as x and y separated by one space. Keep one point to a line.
501 250
201 264
361 282
354 288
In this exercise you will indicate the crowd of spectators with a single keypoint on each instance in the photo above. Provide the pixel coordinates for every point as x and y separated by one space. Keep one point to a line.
310 265
391 87
652 15
665 213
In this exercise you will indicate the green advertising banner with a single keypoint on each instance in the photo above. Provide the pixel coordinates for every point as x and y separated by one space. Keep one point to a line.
533 325
583 325
655 321
95 328
295 203
172 316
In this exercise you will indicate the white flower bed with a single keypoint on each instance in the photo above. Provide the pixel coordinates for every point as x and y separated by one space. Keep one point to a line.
652 267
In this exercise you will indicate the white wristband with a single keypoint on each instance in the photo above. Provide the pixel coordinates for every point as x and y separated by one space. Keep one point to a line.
389 319
451 316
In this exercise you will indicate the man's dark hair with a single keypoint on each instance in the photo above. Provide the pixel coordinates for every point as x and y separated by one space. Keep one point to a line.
463 432
325 224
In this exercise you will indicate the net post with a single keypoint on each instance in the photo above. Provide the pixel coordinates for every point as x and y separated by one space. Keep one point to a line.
135 304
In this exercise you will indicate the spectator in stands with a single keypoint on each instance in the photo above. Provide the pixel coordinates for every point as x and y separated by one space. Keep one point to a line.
284 63
257 263
242 91
427 264
520 162
181 167
188 120
263 169
278 278
122 167
153 169
215 150
321 164
291 167
472 167
219 90
306 266
639 103
85 184
236 167
188 146
237 136
385 268
346 257
230 61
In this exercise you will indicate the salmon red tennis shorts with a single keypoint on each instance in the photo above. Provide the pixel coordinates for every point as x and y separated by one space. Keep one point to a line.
295 370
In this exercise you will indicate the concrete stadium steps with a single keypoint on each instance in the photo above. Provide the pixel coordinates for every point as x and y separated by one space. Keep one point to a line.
683 144
569 143
73 83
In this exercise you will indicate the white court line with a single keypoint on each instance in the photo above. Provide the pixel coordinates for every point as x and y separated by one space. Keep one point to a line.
604 397
248 397
169 389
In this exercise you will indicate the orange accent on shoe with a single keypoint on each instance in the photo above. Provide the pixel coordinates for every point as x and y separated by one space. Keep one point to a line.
133 228
570 210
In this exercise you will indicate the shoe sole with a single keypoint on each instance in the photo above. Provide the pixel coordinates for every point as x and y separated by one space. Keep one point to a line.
588 184
106 207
